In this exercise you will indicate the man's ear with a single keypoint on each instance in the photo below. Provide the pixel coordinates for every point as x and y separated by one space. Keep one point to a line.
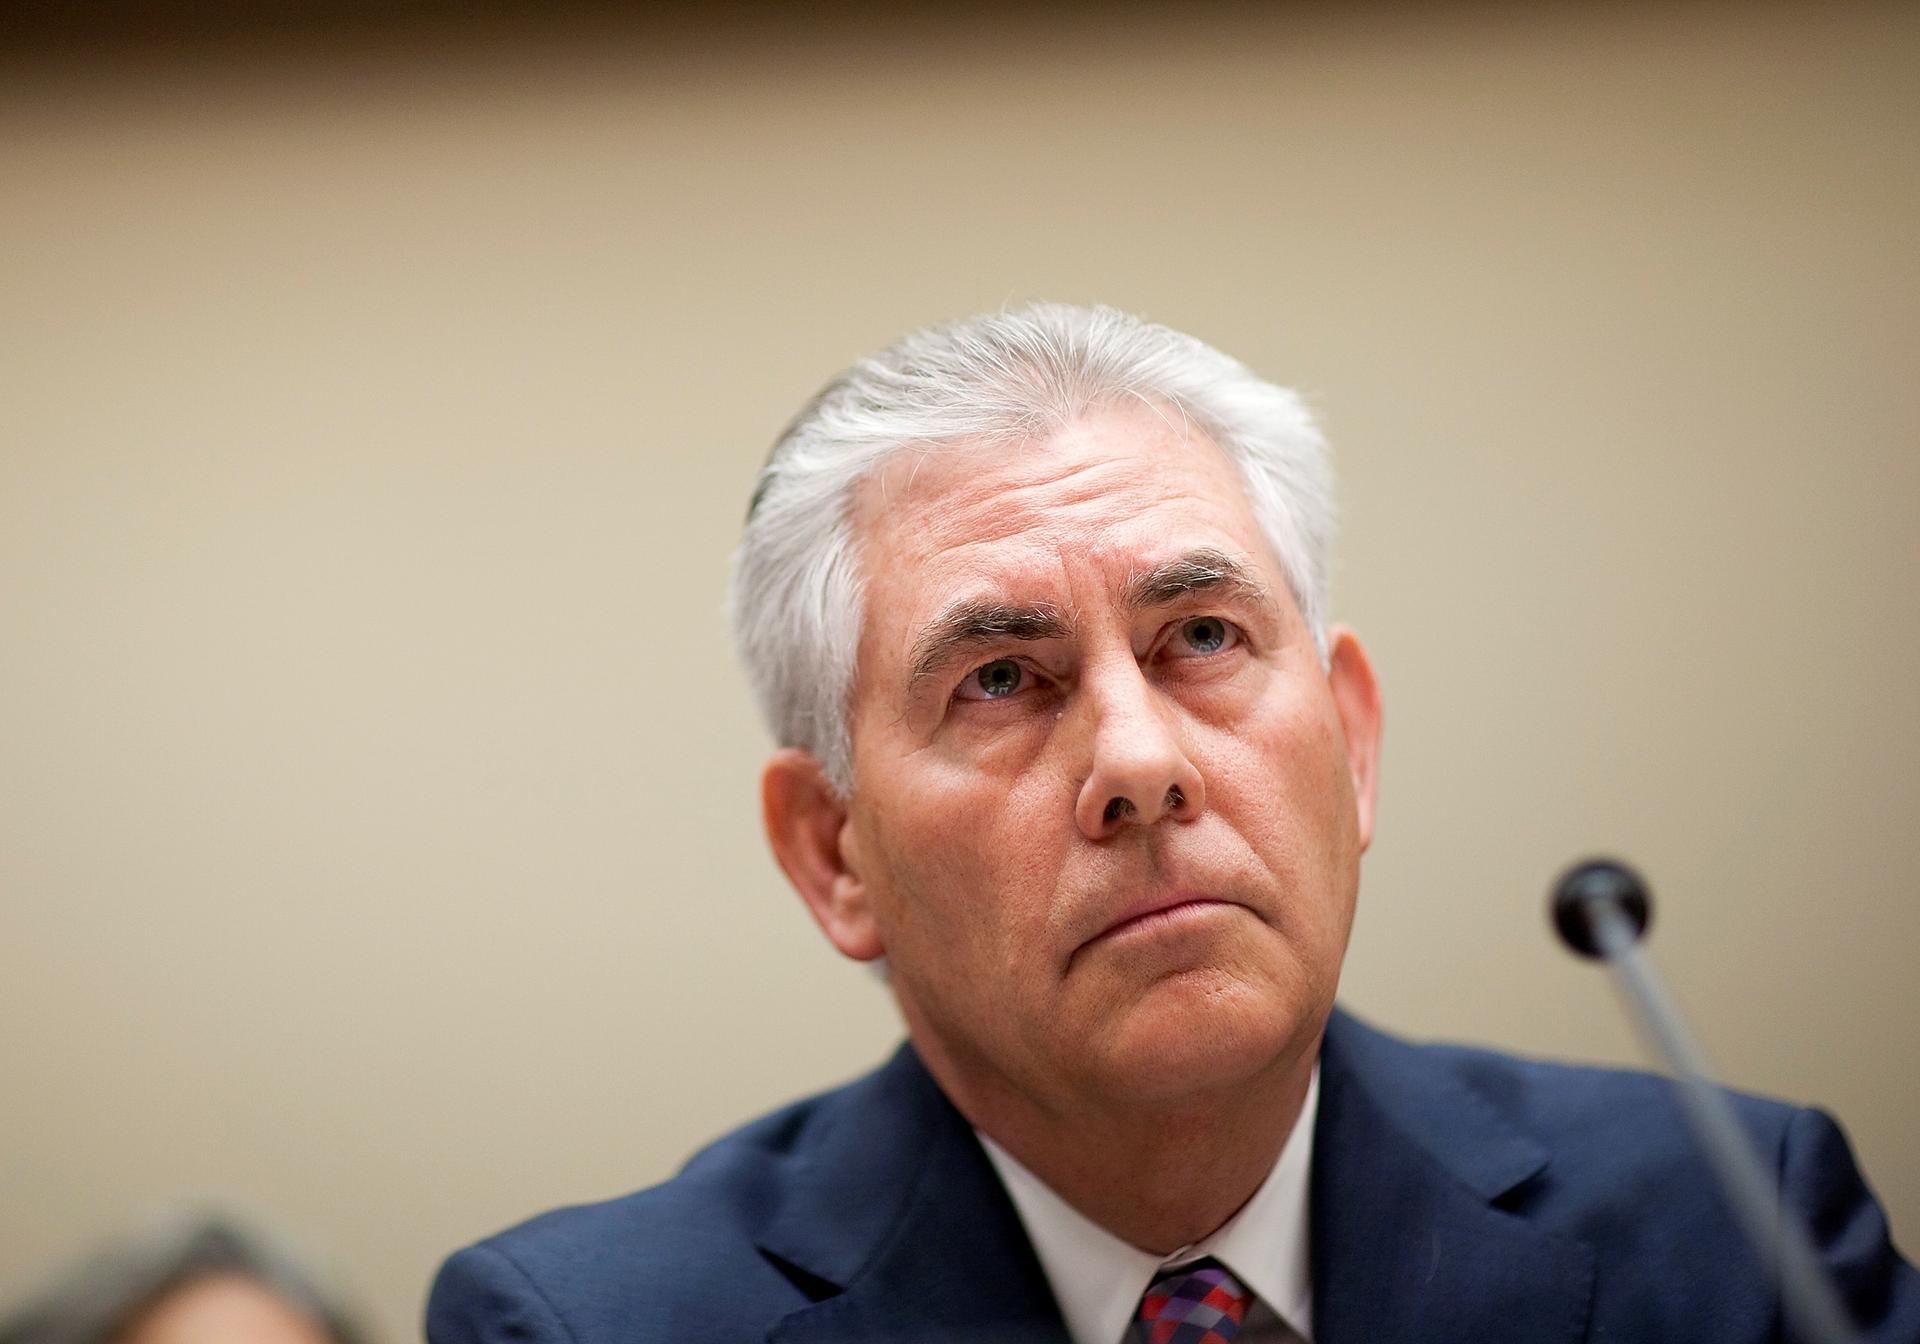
1356 697
806 821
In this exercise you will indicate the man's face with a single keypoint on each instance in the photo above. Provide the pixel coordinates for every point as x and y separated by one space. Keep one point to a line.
1108 806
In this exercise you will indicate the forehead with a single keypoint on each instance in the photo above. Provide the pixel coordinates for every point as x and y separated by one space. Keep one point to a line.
1116 490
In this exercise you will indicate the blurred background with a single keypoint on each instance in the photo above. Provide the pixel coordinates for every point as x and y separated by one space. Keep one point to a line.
380 393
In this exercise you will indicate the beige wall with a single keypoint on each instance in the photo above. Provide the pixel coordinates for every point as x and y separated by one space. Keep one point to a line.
376 836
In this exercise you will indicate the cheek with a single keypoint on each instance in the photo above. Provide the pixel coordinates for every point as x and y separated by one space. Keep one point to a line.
970 860
1281 780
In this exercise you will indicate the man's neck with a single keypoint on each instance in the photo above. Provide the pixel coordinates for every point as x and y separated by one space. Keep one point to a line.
1160 1176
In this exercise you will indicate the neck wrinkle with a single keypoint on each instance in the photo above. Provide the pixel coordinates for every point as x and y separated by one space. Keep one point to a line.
1159 1178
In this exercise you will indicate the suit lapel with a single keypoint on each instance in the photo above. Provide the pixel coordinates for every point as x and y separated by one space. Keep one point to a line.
899 1210
897 1223
1408 1238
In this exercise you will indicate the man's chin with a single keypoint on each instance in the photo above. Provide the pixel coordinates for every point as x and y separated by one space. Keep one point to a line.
1198 1033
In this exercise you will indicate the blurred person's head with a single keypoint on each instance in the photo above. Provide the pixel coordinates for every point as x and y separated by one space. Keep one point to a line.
187 1280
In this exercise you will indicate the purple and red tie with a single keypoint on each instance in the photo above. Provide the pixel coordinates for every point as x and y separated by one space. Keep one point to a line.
1197 1304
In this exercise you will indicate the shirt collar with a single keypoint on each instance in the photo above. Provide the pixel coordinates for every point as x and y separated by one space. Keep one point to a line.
1097 1278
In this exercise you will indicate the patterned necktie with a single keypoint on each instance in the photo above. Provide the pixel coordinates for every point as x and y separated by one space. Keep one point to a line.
1198 1304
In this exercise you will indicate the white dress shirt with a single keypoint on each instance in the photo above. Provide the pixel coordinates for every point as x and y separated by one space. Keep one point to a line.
1098 1279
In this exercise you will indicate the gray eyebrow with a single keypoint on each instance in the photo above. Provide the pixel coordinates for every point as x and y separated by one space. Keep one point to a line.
975 622
1202 571
969 624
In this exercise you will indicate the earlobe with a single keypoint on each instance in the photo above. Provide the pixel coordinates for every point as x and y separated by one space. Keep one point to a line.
1356 698
807 827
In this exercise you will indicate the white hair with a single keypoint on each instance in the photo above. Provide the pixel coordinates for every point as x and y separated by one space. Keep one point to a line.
1015 376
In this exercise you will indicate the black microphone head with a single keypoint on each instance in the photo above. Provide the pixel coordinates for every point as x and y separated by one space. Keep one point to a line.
1593 882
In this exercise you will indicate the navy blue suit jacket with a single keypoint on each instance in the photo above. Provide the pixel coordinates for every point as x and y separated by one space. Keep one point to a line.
1457 1195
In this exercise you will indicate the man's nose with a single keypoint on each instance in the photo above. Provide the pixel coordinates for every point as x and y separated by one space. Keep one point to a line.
1139 769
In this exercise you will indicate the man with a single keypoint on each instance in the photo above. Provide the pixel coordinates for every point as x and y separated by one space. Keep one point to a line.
1035 604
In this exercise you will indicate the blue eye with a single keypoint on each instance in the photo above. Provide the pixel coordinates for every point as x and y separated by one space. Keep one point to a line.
995 681
1203 635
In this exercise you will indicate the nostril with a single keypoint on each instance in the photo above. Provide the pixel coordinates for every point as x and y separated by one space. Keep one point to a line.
1117 807
1175 799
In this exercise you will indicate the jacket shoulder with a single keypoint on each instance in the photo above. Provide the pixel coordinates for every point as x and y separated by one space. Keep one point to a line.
1630 1114
676 1261
1613 1165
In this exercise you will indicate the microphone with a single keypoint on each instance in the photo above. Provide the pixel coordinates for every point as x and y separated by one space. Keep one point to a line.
1595 892
1601 909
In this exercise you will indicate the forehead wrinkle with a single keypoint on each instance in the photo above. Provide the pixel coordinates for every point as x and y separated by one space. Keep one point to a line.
966 510
982 487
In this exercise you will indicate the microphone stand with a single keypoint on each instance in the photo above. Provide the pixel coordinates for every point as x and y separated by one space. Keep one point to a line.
1601 909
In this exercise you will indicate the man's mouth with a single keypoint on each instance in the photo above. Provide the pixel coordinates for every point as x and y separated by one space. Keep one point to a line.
1155 912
